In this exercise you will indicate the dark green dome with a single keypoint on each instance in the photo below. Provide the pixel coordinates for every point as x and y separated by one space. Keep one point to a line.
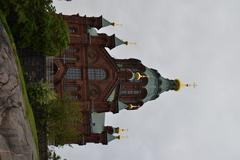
158 84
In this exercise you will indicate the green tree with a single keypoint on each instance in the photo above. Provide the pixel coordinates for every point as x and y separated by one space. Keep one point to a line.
63 121
53 30
60 116
41 94
35 24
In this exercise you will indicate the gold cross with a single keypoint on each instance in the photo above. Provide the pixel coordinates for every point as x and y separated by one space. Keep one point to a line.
194 85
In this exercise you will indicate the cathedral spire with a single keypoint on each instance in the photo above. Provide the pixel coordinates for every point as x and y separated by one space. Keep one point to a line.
115 41
106 23
119 42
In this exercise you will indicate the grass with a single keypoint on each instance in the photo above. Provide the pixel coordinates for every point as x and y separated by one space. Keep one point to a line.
28 108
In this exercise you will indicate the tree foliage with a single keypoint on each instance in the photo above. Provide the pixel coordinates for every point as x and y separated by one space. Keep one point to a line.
60 115
63 121
35 24
40 94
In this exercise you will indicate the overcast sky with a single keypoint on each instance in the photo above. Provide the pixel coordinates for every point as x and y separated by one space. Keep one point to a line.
193 40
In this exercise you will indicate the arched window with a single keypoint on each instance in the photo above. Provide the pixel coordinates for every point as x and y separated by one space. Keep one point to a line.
73 74
72 29
96 74
71 50
130 92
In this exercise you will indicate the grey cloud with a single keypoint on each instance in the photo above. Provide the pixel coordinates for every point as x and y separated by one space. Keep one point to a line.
191 40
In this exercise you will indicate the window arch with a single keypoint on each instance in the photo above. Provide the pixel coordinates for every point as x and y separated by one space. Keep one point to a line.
97 74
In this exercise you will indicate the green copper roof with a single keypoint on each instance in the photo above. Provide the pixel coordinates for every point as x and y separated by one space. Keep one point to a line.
119 42
157 84
112 95
92 32
121 105
167 84
152 86
98 121
110 137
106 23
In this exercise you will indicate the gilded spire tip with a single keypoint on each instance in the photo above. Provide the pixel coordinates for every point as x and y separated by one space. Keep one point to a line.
117 24
183 85
131 43
121 130
121 137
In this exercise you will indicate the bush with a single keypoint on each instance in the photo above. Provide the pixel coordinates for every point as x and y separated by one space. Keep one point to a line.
63 121
40 94
59 116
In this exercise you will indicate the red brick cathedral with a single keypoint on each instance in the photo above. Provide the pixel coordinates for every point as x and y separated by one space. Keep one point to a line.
101 83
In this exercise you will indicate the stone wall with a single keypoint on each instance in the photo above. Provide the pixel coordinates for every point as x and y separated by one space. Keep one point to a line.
16 140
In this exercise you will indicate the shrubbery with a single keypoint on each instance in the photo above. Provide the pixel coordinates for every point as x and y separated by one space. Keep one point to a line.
63 121
60 116
40 94
35 24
